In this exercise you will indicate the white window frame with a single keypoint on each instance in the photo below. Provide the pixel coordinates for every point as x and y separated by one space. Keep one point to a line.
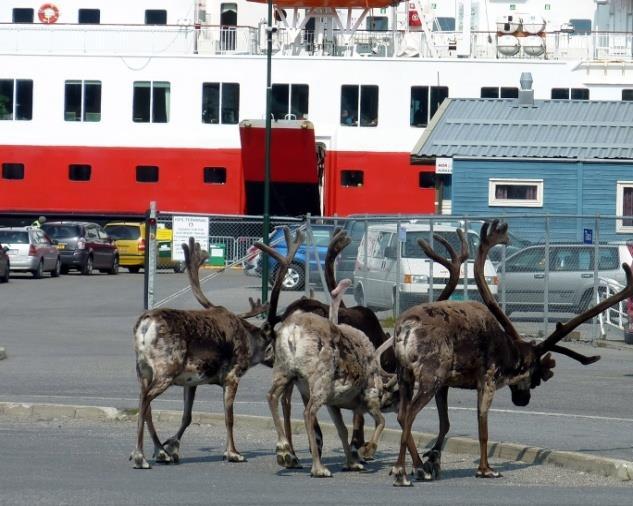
495 202
619 206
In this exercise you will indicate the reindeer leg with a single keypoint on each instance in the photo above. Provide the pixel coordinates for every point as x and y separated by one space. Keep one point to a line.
172 445
432 465
358 437
369 448
317 428
399 469
230 389
309 415
352 461
160 455
286 407
285 453
485 394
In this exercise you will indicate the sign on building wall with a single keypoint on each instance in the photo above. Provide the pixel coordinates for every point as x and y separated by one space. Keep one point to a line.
185 227
443 165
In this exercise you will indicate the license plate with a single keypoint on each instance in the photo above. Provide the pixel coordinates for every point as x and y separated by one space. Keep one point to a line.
60 245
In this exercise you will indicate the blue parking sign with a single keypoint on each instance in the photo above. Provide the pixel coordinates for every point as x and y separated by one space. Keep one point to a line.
588 236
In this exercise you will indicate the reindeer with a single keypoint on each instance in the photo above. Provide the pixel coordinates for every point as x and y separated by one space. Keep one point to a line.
474 346
194 347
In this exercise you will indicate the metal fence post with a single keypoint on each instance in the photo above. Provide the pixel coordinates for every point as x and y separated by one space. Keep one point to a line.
150 257
596 278
472 263
546 276
309 241
431 262
396 289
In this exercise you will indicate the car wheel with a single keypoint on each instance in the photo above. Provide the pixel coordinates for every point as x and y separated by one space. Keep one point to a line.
359 295
294 279
86 268
115 266
37 273
134 269
5 278
179 267
64 269
57 270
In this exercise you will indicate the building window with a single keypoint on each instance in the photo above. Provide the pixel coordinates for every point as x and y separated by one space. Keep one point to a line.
89 16
502 92
16 99
515 192
352 178
224 97
573 93
290 101
627 94
377 23
151 102
581 26
155 17
425 100
444 24
359 103
82 101
427 180
214 175
77 172
146 174
624 206
12 171
23 15
489 92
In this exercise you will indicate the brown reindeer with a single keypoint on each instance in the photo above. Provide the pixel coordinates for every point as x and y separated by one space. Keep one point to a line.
195 347
474 346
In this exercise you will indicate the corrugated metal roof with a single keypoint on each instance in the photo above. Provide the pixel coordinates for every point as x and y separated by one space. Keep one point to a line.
494 128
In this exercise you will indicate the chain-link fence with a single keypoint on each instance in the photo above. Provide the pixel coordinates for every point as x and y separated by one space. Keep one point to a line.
546 274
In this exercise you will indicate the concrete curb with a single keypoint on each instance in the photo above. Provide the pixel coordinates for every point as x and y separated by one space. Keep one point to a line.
603 466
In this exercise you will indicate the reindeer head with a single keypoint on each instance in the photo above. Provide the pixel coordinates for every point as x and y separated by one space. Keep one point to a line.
534 362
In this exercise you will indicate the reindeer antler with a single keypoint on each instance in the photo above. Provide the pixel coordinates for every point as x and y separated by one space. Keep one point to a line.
337 298
453 266
549 344
282 268
340 240
257 308
195 257
492 234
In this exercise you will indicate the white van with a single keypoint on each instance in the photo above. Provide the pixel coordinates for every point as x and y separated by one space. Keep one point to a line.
381 270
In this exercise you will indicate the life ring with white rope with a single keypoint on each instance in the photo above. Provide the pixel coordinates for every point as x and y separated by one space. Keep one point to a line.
48 13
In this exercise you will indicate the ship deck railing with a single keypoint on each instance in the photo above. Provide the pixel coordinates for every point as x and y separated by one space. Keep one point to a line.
248 40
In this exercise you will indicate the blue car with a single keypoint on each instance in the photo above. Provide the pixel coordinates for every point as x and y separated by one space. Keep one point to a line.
295 277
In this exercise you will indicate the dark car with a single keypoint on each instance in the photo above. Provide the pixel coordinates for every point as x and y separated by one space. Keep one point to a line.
5 264
84 246
295 277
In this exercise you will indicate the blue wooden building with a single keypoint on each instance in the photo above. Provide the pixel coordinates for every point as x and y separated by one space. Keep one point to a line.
527 158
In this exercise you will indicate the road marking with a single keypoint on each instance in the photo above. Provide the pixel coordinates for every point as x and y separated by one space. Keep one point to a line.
261 403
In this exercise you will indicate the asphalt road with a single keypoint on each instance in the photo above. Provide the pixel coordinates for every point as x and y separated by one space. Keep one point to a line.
73 462
69 341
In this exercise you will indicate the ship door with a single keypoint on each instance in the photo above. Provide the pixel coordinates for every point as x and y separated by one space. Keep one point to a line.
296 163
228 22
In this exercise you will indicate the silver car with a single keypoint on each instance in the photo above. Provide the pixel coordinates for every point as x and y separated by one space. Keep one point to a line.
31 250
571 275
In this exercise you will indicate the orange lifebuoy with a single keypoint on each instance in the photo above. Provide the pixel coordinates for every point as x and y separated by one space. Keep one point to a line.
48 13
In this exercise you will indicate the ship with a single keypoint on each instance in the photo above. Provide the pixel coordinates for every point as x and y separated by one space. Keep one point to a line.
106 106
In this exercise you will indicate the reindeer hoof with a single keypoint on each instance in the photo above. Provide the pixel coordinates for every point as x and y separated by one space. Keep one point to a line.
139 460
401 477
488 473
288 460
162 457
321 472
172 448
367 451
233 457
355 467
431 468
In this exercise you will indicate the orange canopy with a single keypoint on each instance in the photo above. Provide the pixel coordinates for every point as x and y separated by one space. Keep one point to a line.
331 3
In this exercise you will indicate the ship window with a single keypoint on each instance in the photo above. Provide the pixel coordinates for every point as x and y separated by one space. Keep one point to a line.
82 101
290 101
23 15
425 100
503 92
218 97
12 171
560 93
352 178
214 175
77 172
509 92
146 174
155 17
489 92
427 180
515 192
581 26
580 94
89 16
627 94
377 23
16 99
151 102
359 102
444 24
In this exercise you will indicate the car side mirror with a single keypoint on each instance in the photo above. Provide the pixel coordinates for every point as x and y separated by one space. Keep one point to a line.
390 252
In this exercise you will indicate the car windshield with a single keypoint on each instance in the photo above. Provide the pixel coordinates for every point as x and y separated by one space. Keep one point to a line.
14 237
125 232
62 231
411 248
